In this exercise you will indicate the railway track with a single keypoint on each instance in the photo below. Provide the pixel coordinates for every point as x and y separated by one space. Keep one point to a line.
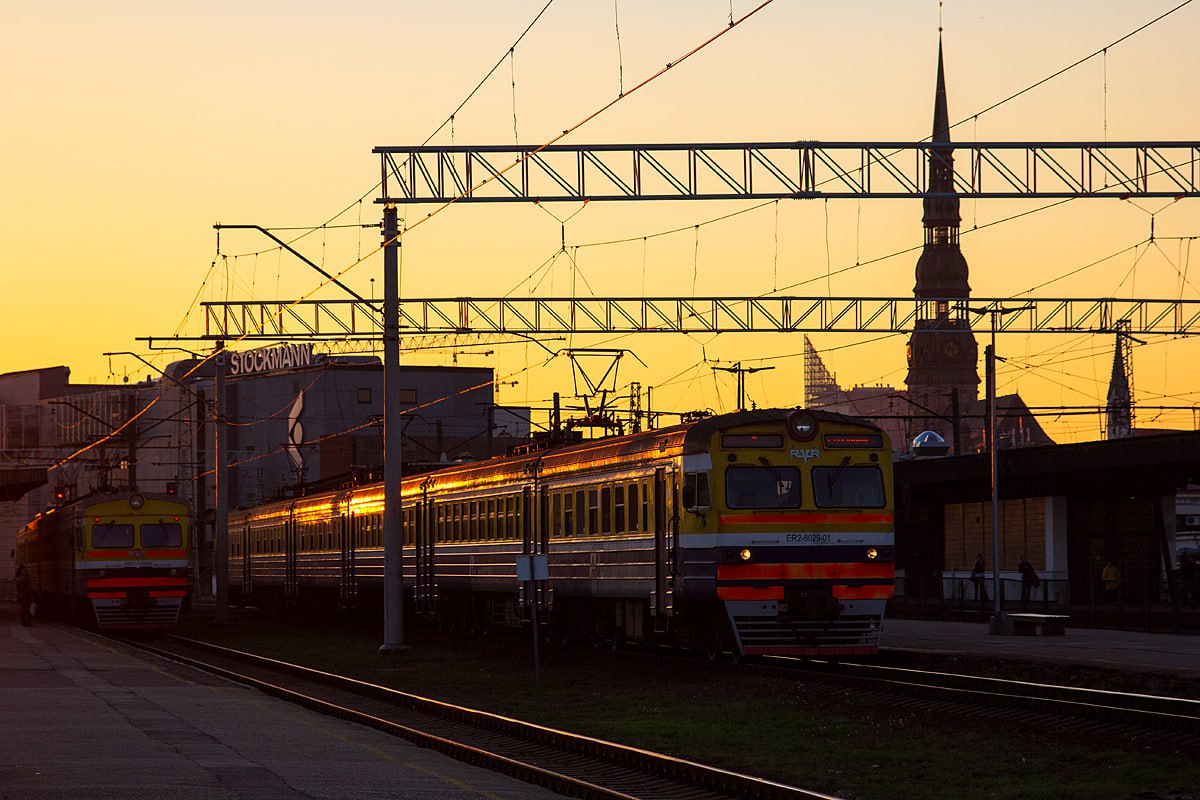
566 763
1174 719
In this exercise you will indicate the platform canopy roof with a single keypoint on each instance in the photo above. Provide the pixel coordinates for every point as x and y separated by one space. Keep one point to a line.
1144 464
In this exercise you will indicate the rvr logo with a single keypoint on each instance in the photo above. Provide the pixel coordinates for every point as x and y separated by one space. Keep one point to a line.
806 454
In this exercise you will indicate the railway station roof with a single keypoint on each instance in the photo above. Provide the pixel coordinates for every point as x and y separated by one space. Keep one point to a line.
1158 464
16 481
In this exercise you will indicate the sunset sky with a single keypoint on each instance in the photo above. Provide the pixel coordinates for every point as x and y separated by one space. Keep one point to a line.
131 127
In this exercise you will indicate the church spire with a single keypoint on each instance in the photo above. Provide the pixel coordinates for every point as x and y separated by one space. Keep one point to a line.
941 213
941 114
942 352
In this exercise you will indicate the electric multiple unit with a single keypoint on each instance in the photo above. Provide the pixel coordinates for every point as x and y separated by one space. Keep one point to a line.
118 560
758 532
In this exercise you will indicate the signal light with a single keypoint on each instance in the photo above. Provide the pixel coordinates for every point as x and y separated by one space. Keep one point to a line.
172 487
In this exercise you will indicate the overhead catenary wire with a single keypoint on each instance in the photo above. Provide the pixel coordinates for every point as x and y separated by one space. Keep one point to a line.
495 176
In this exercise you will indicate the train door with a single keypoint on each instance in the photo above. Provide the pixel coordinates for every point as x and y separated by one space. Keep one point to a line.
535 540
664 540
424 591
346 528
291 537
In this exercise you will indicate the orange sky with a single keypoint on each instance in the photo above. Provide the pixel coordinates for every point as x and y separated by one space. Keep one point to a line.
132 127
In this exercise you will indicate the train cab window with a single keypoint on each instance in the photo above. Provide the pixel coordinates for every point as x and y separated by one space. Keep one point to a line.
762 487
112 536
696 493
848 487
162 534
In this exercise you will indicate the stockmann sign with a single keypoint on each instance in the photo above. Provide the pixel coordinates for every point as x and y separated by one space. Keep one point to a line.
270 359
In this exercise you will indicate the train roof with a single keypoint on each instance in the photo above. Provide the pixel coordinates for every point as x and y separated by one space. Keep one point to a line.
637 449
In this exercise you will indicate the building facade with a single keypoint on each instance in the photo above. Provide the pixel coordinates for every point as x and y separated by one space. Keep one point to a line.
295 421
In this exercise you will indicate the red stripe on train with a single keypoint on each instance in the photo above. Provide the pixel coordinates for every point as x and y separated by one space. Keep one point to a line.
800 572
157 581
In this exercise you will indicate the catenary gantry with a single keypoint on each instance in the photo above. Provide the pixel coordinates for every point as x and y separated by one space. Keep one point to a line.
339 319
797 170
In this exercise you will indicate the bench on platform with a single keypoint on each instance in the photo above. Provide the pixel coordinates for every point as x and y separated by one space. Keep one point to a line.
1038 624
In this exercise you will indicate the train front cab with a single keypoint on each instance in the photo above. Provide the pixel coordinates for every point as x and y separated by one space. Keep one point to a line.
795 530
132 562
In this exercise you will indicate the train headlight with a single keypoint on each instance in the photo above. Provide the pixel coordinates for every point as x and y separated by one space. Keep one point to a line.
872 553
136 501
802 425
745 554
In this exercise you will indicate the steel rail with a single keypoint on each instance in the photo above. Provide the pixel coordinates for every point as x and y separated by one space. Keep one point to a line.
572 764
1155 712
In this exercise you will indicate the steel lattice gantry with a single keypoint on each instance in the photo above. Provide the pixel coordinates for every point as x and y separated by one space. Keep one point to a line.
739 171
352 319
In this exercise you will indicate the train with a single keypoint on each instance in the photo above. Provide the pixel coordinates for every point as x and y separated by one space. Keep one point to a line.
111 560
761 532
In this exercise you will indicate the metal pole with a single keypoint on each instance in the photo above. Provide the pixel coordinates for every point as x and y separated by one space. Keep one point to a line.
393 577
220 495
998 613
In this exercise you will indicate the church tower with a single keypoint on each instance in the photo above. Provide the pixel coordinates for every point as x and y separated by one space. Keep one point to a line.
943 356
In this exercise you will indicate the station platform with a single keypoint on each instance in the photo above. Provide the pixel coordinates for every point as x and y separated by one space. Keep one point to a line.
83 717
1174 656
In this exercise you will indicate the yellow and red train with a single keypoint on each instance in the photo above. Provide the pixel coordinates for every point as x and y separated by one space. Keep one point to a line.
758 532
115 560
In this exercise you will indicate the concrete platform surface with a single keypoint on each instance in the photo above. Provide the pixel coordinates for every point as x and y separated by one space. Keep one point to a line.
82 718
1173 655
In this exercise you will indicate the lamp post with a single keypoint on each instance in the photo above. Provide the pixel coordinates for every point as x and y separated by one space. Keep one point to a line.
996 312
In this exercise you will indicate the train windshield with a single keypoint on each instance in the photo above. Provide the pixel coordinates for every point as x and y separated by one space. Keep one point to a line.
762 487
165 534
848 487
112 535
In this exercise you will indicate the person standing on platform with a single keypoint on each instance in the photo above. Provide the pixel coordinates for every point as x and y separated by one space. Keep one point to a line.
1111 576
977 573
1029 579
24 595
